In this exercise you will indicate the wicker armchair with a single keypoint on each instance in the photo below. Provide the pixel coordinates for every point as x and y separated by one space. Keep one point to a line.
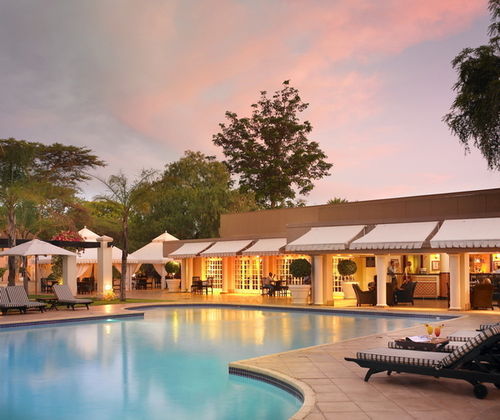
368 297
481 296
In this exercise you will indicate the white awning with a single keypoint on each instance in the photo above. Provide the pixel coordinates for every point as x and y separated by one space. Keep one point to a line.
325 238
468 233
266 247
225 248
395 236
191 249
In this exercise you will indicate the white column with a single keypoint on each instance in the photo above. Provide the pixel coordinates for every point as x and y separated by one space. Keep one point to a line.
190 271
464 281
69 272
328 280
104 265
381 268
225 274
184 273
318 280
444 263
455 282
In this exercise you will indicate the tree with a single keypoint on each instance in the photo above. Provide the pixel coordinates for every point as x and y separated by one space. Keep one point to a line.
126 198
40 174
189 198
475 114
337 200
270 152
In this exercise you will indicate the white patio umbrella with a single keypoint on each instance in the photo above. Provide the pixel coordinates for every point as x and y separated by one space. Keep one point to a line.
35 248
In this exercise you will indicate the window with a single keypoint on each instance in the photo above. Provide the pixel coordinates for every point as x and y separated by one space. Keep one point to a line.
248 273
213 268
337 278
284 268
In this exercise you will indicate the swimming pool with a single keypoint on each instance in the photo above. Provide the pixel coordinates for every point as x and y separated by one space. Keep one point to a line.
173 364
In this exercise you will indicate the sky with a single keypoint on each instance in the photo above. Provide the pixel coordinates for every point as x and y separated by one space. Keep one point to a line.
140 82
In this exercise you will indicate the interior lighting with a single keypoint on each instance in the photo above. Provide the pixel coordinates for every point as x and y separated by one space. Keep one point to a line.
107 287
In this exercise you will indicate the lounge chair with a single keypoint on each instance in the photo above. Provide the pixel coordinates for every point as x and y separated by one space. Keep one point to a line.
368 297
405 295
65 297
476 361
6 304
18 295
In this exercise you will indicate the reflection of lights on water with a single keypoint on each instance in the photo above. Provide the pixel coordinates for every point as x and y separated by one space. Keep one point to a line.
107 329
175 327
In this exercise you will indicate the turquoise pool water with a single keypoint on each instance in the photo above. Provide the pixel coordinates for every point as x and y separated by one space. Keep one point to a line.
170 365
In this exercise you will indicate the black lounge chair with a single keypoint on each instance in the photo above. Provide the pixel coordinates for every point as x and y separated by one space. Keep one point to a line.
18 295
65 297
405 295
476 361
6 304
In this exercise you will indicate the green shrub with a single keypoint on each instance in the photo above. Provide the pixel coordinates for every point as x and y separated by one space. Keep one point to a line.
300 268
347 267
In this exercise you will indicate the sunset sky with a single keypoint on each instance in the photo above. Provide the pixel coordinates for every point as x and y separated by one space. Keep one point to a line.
139 82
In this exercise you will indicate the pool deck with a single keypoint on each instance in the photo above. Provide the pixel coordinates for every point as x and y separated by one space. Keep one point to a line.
335 388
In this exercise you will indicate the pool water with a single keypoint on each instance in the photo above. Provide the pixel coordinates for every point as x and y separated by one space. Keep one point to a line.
173 364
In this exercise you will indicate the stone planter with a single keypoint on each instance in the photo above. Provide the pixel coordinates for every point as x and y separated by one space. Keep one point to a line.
348 289
173 285
300 293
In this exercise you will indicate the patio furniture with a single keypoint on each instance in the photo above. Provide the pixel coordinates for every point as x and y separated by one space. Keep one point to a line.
368 297
65 297
18 295
481 296
6 304
476 361
196 285
445 348
405 295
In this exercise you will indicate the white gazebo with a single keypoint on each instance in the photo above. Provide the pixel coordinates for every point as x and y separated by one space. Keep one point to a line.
151 253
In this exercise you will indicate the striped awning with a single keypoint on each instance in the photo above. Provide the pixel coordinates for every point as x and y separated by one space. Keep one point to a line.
189 250
266 247
225 248
468 233
325 238
395 236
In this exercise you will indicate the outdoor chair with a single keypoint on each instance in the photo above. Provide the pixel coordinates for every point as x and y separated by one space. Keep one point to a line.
481 296
476 361
368 297
196 285
6 304
405 295
65 297
18 295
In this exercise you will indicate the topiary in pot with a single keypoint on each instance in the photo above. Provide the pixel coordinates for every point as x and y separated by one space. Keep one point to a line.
300 268
347 267
173 268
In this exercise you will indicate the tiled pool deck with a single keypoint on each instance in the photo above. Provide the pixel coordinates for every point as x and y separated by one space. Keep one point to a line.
336 388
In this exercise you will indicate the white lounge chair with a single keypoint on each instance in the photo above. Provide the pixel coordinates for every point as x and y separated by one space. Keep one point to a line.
65 297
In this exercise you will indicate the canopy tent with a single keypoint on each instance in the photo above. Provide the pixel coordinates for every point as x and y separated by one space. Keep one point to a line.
225 248
325 238
152 253
396 236
468 233
266 247
36 248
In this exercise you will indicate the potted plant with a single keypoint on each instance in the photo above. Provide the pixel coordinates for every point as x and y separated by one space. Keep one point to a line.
173 269
300 268
346 269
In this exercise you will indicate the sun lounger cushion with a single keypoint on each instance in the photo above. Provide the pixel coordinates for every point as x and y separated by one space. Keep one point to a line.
6 303
64 295
483 327
405 357
469 345
463 335
18 295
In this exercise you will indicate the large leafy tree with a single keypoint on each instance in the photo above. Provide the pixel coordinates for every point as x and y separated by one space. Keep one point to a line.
270 152
44 175
475 114
125 197
189 198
